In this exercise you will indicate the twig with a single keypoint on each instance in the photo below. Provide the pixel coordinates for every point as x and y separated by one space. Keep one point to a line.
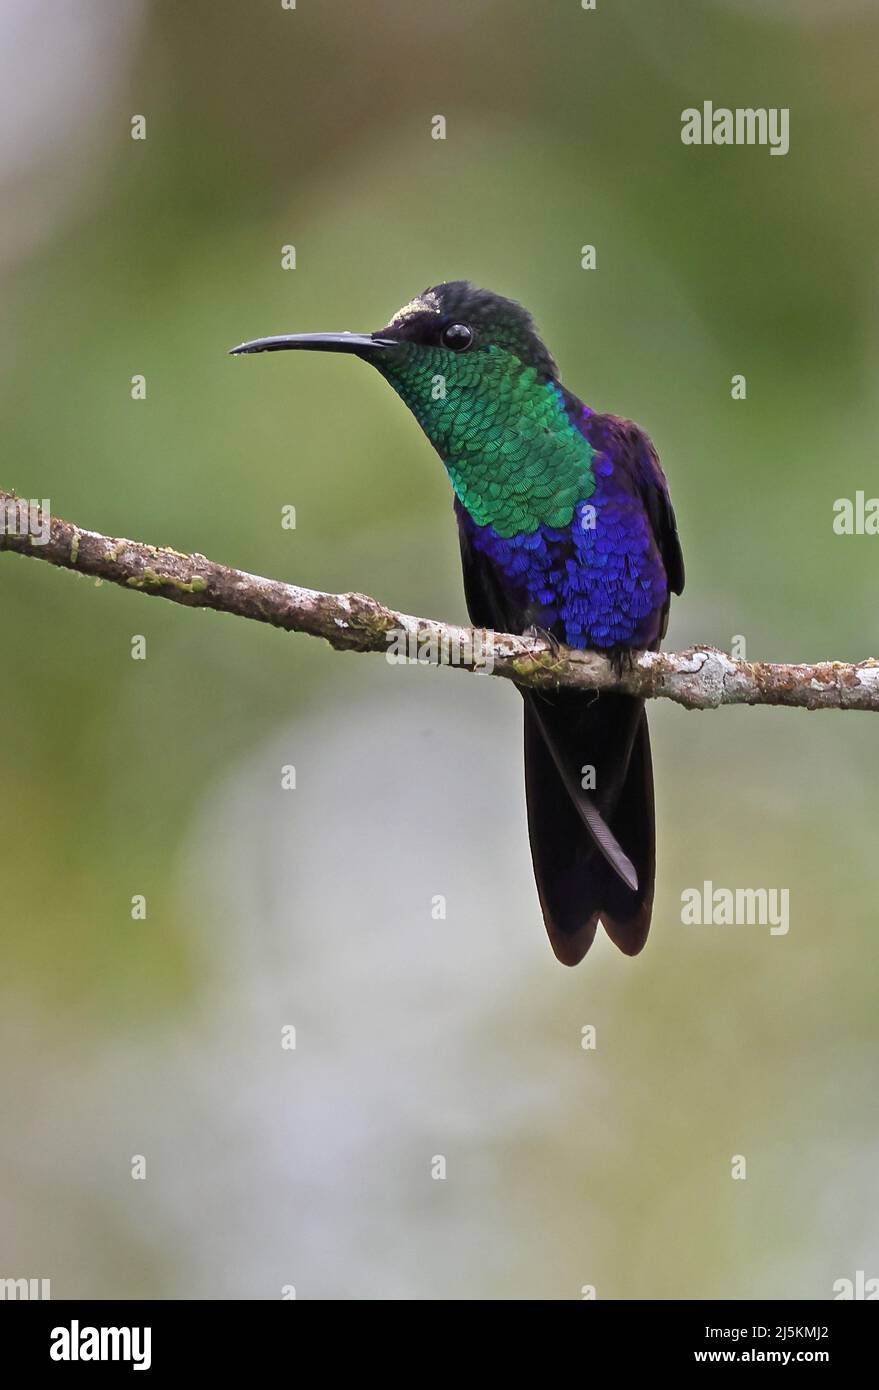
699 678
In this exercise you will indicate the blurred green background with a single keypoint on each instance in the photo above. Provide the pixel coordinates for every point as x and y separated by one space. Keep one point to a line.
312 907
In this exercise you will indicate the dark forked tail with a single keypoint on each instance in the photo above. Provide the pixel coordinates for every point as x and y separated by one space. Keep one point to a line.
593 850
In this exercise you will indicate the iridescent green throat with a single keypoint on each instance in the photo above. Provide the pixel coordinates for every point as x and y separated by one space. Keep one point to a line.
515 460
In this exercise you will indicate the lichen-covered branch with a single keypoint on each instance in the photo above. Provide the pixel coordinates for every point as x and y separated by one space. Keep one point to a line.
699 678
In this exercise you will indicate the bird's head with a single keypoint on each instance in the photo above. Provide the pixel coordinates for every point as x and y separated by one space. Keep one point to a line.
455 321
450 343
476 375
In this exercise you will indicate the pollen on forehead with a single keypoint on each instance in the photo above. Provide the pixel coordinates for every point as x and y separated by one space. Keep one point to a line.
422 304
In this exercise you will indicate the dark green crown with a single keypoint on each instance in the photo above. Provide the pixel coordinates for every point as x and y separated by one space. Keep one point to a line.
493 320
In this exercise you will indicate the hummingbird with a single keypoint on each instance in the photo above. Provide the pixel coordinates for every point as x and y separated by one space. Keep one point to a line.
566 530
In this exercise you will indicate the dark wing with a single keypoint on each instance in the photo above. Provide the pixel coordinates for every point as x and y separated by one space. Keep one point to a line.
633 452
654 494
487 603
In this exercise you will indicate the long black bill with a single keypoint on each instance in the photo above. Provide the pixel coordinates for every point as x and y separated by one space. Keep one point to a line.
359 343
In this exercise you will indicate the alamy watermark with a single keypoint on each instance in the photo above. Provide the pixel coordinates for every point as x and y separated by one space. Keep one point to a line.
25 1289
470 647
77 1343
22 516
744 125
856 516
736 907
860 1288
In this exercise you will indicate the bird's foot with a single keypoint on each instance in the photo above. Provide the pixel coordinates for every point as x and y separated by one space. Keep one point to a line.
621 660
541 634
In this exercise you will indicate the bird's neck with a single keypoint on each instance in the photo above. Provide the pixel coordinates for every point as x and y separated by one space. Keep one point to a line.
515 458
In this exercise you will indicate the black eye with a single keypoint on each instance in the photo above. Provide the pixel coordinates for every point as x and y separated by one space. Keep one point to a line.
457 336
